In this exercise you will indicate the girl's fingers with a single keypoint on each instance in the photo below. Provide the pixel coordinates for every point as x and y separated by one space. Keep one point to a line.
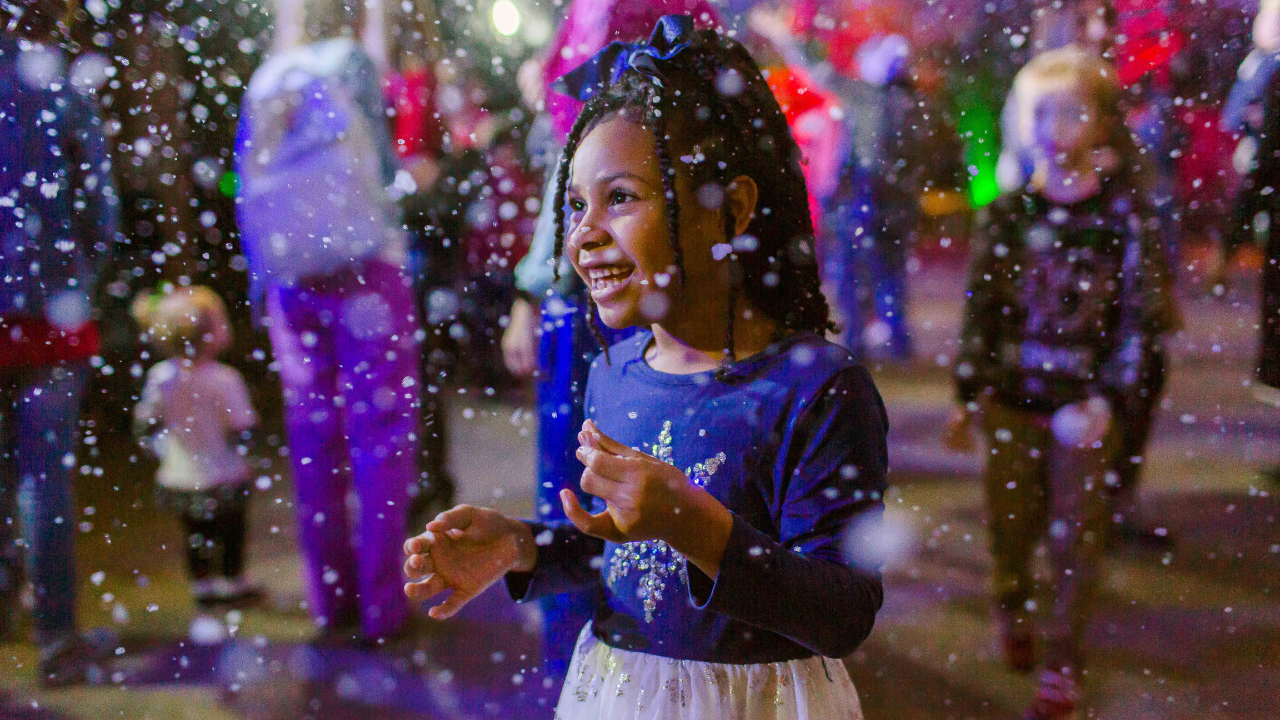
425 589
608 444
417 544
459 518
600 525
606 465
418 566
594 484
581 519
450 606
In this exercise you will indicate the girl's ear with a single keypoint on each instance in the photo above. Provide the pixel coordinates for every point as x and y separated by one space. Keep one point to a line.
740 198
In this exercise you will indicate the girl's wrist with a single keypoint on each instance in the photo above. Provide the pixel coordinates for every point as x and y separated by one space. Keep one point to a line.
526 548
700 531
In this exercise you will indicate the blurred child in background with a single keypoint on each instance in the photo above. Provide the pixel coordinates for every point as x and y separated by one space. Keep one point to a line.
1063 319
196 414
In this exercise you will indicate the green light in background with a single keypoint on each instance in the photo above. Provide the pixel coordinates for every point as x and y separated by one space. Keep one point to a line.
977 127
229 184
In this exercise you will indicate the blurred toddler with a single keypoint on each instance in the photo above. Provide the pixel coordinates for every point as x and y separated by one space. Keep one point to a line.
196 415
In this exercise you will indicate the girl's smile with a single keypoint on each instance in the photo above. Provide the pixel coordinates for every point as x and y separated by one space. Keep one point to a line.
606 271
605 281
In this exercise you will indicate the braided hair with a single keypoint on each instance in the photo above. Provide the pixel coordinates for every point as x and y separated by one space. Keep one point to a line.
713 109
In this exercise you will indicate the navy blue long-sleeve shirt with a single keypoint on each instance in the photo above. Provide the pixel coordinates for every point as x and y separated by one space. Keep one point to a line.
792 442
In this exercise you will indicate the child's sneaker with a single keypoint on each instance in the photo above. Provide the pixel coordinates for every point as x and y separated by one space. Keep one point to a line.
226 591
204 592
241 590
1055 699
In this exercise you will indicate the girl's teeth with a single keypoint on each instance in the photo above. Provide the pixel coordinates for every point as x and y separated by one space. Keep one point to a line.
607 273
602 278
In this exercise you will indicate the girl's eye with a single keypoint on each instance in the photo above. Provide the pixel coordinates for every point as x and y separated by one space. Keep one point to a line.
577 205
619 196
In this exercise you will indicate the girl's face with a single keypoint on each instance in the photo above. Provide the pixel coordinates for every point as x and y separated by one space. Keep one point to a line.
617 236
1065 128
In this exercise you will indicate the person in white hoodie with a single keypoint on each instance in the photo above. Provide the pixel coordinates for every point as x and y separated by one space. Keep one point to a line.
195 414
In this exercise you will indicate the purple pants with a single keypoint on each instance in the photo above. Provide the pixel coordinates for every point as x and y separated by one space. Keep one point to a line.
348 355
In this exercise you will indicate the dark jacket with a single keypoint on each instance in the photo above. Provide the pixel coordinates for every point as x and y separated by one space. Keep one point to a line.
1259 186
58 206
58 209
1063 302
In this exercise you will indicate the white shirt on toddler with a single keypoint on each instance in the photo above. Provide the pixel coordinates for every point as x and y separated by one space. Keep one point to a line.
195 411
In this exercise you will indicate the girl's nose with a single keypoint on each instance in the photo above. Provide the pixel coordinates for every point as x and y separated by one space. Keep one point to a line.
588 235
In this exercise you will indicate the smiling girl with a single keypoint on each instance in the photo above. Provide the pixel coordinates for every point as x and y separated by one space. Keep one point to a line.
732 451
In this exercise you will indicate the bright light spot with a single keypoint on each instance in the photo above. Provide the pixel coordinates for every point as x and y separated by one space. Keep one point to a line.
876 540
506 18
206 630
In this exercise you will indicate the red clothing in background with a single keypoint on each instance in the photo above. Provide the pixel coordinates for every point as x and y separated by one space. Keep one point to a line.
811 114
415 129
1150 40
30 343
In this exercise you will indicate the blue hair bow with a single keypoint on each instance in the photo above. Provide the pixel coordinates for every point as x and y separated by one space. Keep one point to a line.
672 35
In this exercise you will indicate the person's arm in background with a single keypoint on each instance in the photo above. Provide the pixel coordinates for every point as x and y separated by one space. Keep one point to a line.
535 278
241 159
1242 108
1266 26
96 206
364 80
240 419
535 273
239 407
978 333
1146 312
148 414
1013 168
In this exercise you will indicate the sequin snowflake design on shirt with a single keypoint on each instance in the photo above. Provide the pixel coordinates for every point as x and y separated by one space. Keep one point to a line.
655 558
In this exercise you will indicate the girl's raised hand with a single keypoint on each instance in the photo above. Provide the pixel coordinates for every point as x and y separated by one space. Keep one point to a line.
643 495
465 550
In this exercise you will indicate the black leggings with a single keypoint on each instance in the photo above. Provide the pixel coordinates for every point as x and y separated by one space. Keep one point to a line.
215 542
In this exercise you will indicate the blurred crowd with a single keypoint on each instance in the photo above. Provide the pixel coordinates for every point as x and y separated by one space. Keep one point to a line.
366 189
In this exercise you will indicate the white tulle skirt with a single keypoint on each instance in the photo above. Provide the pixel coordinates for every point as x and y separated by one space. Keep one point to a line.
605 683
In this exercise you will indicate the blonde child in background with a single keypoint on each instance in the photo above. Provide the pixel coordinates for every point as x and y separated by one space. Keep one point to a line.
1061 329
196 414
